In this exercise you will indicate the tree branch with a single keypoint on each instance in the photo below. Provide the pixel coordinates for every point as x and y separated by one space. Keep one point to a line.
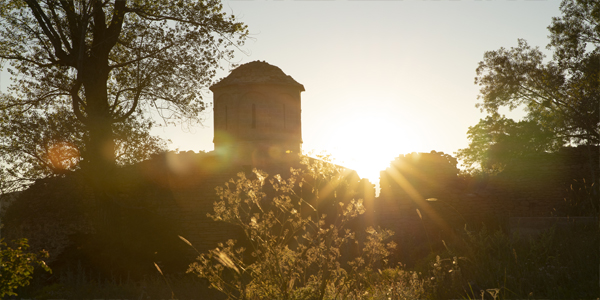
59 28
46 26
116 23
132 108
76 102
21 58
33 102
141 58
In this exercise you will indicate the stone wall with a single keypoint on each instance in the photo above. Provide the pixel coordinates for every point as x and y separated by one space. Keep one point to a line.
184 190
183 186
6 200
533 186
191 188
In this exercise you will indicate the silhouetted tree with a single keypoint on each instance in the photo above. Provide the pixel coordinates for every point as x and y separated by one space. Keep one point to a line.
495 141
109 61
561 97
36 144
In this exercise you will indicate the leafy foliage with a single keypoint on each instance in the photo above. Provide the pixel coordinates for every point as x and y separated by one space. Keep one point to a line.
36 144
571 34
110 61
291 250
16 266
561 97
496 140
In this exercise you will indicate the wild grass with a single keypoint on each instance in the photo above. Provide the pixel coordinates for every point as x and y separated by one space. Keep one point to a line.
293 251
79 283
558 264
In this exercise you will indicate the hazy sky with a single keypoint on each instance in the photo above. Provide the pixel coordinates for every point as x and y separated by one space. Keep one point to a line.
382 78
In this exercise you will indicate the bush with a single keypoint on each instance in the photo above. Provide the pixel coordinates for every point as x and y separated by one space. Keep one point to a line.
292 250
16 266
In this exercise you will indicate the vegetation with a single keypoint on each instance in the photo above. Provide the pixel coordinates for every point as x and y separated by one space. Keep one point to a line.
39 144
54 215
98 64
561 97
291 249
288 252
420 175
287 248
82 283
16 266
87 71
496 141
86 76
557 263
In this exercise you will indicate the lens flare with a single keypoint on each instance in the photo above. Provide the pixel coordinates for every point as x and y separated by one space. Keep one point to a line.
63 155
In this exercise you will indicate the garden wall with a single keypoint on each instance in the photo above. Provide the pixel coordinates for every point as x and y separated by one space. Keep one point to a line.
535 186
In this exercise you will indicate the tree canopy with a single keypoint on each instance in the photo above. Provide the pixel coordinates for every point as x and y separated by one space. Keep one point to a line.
561 96
496 140
37 144
102 64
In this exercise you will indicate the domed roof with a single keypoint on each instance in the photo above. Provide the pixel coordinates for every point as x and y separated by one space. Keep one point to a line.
257 72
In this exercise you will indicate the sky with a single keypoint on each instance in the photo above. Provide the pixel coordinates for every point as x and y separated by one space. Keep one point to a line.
382 78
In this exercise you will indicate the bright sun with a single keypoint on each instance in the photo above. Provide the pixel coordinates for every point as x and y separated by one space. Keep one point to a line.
367 140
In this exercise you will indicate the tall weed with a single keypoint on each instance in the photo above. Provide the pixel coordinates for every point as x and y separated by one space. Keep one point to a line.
558 264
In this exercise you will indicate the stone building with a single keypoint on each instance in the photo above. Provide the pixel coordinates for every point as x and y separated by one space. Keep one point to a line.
257 117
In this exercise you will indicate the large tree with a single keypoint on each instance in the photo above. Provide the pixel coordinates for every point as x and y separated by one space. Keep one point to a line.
112 60
35 144
561 96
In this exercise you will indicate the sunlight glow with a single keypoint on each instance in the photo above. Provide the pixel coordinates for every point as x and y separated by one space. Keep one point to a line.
366 139
63 155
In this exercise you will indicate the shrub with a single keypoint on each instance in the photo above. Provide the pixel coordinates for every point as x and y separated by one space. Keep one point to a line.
291 249
16 266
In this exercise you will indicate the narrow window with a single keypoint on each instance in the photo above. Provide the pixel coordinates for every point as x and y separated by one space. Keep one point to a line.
226 117
253 116
284 127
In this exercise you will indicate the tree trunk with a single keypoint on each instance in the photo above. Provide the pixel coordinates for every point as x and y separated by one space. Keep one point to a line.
99 165
99 154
